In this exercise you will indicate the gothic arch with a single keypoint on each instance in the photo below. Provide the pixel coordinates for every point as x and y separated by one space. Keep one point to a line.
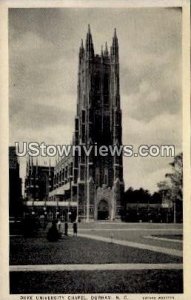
103 210
103 203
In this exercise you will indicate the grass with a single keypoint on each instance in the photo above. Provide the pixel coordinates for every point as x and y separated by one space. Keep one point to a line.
79 250
138 236
169 236
150 281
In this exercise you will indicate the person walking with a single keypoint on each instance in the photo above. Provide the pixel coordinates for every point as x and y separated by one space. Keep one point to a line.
53 234
66 228
75 228
59 225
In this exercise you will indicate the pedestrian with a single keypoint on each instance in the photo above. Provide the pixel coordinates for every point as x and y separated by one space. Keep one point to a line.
53 234
59 225
66 229
75 228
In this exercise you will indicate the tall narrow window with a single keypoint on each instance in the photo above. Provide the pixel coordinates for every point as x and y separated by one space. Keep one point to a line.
71 169
76 124
106 176
83 133
82 172
106 84
66 170
83 116
97 82
97 176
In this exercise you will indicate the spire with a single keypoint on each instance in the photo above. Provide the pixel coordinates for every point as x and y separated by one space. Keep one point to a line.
115 33
49 168
89 44
82 45
114 47
37 166
27 165
89 30
102 53
106 50
81 51
115 39
101 50
32 165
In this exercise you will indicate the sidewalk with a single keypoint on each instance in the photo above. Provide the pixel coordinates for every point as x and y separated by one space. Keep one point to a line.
163 250
94 267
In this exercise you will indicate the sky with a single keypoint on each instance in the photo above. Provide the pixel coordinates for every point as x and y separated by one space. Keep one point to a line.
43 66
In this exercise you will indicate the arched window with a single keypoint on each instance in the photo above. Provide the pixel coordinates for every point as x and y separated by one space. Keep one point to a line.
106 176
106 84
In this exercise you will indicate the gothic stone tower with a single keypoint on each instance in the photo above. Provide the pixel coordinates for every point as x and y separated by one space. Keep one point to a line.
98 122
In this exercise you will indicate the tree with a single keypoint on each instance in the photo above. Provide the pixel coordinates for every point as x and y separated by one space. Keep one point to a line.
172 189
176 177
137 196
136 204
164 189
156 198
176 184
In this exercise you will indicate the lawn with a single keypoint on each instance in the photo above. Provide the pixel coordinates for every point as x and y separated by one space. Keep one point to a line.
150 281
178 237
69 250
139 236
79 250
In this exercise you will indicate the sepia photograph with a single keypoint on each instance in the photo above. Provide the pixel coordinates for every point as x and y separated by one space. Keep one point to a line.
95 152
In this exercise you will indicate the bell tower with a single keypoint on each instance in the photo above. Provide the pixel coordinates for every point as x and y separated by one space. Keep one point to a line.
98 123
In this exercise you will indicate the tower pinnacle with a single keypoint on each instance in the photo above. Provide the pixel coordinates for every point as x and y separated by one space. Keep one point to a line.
114 47
106 50
89 44
115 39
101 50
115 32
81 52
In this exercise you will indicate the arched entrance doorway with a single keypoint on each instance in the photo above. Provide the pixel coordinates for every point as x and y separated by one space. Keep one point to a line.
103 210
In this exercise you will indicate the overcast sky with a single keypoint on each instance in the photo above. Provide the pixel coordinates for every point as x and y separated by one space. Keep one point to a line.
43 52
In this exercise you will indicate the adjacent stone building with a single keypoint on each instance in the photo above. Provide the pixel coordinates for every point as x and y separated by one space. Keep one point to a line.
15 184
39 181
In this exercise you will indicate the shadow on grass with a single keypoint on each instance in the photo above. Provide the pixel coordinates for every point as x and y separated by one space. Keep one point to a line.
78 250
150 281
